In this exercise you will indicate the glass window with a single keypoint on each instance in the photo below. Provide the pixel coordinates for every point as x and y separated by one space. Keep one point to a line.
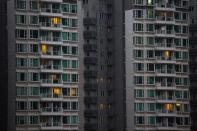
65 36
65 22
139 54
137 27
138 14
74 22
139 120
65 8
139 93
66 77
66 50
138 40
73 8
33 20
151 120
139 106
74 36
150 14
21 4
22 48
74 64
21 105
33 5
74 77
21 19
21 91
34 62
139 66
150 93
33 34
74 120
34 77
21 62
150 27
150 80
34 120
139 80
21 33
34 91
21 76
151 107
21 120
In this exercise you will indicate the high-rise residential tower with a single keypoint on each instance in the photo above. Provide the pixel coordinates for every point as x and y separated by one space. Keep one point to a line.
193 62
156 61
100 65
47 76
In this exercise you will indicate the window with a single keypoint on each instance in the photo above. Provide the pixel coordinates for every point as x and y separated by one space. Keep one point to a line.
74 64
65 22
33 20
138 14
150 94
139 93
74 23
21 4
150 54
150 14
21 105
22 48
21 33
150 67
66 50
33 5
21 91
66 64
150 41
74 105
21 19
184 29
138 2
33 62
66 91
66 77
139 120
34 77
151 107
21 120
150 80
178 94
33 34
73 8
21 62
139 54
21 76
34 91
139 107
151 120
138 40
74 120
34 120
139 67
137 27
66 105
34 105
65 36
74 36
65 8
74 77
150 27
139 80
33 48
74 50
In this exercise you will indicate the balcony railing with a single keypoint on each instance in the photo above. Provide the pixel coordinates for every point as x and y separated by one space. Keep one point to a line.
51 109
50 81
168 32
162 5
51 38
51 67
49 24
50 10
163 18
165 45
51 124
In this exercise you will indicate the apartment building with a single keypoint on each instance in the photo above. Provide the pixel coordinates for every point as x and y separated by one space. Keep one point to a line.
193 58
46 55
157 70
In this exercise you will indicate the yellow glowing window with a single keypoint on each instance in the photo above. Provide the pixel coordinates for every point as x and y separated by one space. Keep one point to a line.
169 107
101 106
73 92
168 54
56 91
149 2
44 49
55 20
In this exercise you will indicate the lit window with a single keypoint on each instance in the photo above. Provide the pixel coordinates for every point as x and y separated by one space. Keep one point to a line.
56 91
73 92
44 49
55 20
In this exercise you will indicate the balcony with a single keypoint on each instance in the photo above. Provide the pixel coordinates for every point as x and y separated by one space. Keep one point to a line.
51 68
164 46
165 72
165 33
166 126
165 6
90 100
90 61
51 110
91 113
91 87
90 34
51 125
52 54
90 74
90 47
163 59
51 82
164 20
50 26
164 112
89 21
165 85
166 99
50 12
